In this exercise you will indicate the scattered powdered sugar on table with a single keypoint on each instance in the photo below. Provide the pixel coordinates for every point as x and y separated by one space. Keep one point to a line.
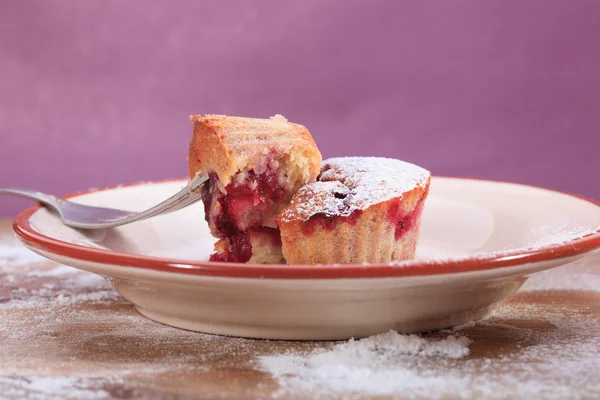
63 287
83 339
379 365
49 388
548 364
16 253
562 278
544 364
69 314
553 363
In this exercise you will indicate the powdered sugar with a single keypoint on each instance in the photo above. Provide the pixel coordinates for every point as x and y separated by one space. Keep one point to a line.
558 359
563 278
555 238
49 388
66 334
318 198
63 287
347 184
558 362
369 365
16 253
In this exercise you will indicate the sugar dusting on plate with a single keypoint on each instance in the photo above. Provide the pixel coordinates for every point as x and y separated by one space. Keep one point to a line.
557 237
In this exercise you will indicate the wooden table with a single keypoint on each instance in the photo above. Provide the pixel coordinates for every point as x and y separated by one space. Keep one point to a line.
65 334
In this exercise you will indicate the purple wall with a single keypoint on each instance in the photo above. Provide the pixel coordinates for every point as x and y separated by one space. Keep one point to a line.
96 93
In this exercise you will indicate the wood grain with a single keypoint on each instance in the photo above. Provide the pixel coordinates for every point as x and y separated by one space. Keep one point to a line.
72 328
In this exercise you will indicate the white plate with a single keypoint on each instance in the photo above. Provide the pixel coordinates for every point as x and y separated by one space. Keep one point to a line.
479 242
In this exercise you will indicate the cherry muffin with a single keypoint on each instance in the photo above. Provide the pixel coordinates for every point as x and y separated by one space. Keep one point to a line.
361 210
255 166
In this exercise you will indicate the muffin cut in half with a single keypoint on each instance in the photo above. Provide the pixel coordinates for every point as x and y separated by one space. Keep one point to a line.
255 166
361 210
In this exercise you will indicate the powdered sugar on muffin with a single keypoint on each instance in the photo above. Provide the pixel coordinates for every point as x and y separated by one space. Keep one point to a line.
347 184
361 210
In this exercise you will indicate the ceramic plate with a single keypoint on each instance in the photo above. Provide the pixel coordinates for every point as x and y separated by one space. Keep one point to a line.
479 242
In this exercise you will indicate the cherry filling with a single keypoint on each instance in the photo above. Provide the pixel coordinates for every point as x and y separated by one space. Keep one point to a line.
328 222
403 222
240 249
240 244
271 234
250 201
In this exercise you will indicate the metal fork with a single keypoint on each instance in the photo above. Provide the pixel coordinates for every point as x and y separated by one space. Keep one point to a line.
88 217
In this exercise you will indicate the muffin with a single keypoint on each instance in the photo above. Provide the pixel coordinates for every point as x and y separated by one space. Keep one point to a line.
254 166
361 210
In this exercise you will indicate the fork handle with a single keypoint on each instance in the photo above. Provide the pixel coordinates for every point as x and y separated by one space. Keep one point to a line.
31 195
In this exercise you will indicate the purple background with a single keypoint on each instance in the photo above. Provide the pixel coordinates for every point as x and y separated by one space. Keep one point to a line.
96 93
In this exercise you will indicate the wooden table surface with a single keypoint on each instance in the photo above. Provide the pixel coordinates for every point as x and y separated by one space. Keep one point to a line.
65 334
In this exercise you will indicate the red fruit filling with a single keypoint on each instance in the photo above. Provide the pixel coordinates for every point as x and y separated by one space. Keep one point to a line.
403 222
240 245
328 222
248 204
240 249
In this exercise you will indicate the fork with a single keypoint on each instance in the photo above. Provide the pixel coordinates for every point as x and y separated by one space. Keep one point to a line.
88 217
